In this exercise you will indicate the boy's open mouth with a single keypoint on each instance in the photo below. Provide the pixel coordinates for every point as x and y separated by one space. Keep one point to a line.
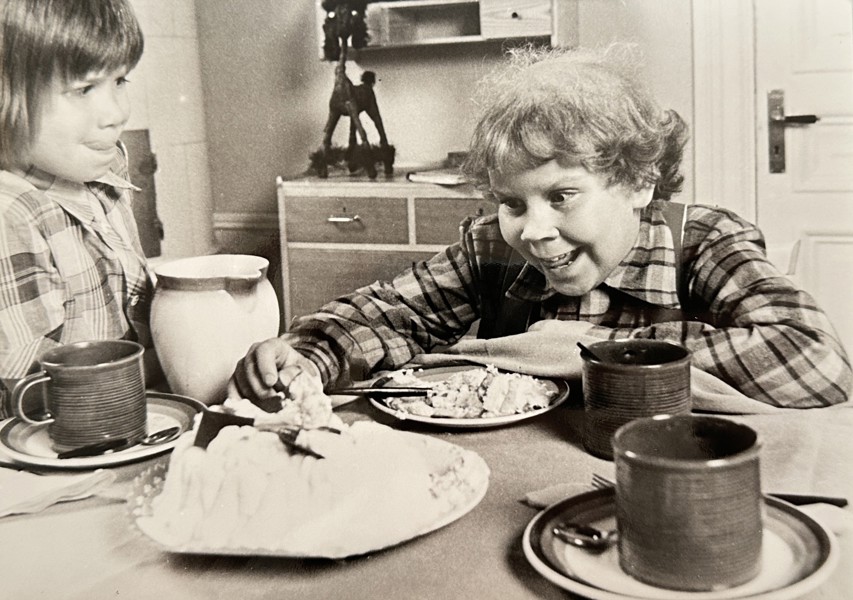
563 260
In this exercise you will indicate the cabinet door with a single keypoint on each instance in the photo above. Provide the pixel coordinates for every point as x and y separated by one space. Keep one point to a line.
515 18
318 276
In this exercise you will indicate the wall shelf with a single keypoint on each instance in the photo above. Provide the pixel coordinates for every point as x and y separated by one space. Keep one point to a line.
407 23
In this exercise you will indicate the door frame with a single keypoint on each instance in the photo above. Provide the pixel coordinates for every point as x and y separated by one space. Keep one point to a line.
724 101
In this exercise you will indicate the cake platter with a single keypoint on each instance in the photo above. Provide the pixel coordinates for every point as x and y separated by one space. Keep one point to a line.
559 395
472 476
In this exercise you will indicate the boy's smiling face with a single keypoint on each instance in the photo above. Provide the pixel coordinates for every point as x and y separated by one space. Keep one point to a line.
568 223
79 126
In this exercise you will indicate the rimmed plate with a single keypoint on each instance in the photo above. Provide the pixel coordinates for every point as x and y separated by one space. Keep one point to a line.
30 445
436 374
798 554
469 467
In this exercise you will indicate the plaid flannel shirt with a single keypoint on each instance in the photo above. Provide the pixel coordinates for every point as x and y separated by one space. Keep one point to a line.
71 267
759 332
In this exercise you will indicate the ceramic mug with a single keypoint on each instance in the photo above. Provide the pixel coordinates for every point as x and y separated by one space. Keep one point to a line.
94 391
688 501
630 379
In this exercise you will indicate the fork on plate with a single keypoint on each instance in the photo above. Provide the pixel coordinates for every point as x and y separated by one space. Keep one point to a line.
601 482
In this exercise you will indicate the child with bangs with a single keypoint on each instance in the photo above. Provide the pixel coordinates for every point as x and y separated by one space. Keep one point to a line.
71 263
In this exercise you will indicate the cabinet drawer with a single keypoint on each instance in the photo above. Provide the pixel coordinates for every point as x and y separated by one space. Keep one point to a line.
515 18
319 276
367 220
437 219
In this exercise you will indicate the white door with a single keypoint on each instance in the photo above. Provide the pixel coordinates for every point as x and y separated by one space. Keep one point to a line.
804 51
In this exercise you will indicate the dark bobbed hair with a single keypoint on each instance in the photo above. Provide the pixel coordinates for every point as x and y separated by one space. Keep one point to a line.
42 41
580 107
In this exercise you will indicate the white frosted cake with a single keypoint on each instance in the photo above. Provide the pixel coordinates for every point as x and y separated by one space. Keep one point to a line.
247 492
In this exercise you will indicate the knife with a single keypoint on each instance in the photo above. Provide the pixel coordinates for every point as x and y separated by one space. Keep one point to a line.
95 449
804 499
381 391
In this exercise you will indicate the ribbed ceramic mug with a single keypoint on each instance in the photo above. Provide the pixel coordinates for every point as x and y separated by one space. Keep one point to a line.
94 391
630 379
688 501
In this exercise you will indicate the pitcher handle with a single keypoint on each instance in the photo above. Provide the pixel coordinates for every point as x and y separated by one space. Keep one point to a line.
20 390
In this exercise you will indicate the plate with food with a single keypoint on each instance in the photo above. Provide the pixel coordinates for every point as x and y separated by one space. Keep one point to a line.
248 494
468 396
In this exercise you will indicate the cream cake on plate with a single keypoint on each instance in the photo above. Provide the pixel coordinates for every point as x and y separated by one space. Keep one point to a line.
352 489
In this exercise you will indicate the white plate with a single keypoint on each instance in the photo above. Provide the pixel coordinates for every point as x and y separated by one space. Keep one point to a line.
434 374
474 473
30 445
798 554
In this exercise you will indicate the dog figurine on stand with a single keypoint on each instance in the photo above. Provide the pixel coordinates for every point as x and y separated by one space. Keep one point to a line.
345 25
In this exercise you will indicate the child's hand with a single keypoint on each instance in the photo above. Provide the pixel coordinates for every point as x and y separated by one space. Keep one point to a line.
270 367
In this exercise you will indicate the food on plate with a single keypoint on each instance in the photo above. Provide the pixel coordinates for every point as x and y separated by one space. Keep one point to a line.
299 482
247 491
304 405
477 392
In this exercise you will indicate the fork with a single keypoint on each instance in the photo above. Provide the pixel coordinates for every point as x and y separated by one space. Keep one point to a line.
288 434
602 483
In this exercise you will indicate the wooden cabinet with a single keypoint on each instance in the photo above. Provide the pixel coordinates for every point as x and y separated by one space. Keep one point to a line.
341 233
398 23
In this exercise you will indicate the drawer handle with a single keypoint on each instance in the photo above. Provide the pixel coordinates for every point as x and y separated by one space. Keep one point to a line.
343 219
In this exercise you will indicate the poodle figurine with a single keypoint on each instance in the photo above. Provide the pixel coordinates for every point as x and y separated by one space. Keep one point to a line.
345 25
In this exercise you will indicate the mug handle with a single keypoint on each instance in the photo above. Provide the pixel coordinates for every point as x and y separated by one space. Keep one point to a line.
20 390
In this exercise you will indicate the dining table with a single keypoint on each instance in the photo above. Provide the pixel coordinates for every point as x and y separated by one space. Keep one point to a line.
90 549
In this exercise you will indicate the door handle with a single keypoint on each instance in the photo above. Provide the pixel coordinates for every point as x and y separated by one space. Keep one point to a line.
343 219
794 119
777 122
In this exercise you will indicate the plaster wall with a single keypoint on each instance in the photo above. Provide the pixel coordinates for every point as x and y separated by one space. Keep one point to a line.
266 89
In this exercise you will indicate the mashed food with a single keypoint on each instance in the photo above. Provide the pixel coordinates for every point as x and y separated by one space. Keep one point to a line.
479 392
304 406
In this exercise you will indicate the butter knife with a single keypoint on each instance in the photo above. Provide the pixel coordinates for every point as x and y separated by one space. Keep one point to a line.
95 449
804 499
381 391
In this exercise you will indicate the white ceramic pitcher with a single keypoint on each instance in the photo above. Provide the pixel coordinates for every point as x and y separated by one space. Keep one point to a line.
206 312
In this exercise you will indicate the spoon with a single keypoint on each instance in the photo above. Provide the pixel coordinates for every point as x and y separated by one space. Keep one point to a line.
161 437
586 536
118 444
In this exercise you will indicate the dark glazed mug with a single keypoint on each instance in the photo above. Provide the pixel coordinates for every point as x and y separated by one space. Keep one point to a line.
629 379
94 392
688 501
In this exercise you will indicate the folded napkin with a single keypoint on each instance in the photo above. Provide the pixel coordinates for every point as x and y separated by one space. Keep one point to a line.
22 492
549 349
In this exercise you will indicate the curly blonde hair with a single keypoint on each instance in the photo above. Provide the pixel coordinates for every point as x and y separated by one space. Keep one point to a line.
580 107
